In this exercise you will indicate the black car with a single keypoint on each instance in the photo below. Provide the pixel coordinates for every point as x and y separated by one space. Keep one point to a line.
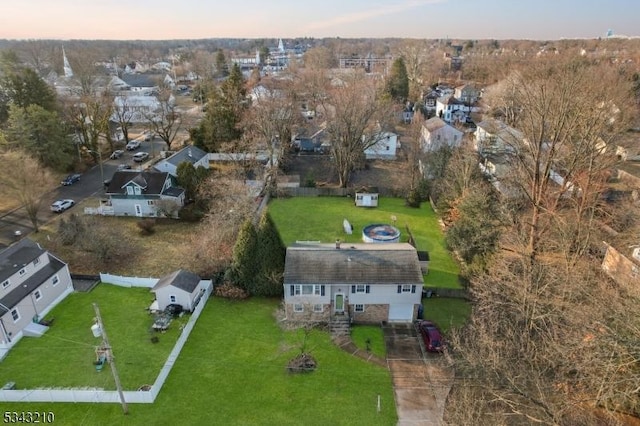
173 309
70 180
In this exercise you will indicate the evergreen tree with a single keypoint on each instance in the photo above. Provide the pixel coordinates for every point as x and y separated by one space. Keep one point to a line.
224 111
271 252
42 134
398 81
244 264
21 86
222 69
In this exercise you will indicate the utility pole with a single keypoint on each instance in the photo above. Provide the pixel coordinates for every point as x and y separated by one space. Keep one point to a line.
110 359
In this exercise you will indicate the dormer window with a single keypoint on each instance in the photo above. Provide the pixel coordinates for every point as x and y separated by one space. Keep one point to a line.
22 272
5 284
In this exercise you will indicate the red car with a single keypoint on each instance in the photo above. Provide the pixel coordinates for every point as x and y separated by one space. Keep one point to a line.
430 335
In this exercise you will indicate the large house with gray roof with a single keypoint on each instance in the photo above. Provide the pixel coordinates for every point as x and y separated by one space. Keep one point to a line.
143 194
32 282
366 283
190 154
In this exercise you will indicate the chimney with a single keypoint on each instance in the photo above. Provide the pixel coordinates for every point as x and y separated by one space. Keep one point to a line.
338 244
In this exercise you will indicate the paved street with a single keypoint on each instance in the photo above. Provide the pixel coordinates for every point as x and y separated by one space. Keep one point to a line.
90 184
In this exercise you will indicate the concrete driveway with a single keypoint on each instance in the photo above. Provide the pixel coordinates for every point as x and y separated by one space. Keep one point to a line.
421 381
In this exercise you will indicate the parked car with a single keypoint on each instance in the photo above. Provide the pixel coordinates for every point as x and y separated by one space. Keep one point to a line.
148 136
173 310
116 154
139 157
70 180
430 335
122 167
133 145
62 205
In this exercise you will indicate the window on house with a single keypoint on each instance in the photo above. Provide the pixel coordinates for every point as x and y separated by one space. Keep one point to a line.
15 315
150 202
22 272
317 307
307 290
137 190
5 283
55 280
359 308
129 190
298 307
172 299
406 288
37 295
360 288
36 261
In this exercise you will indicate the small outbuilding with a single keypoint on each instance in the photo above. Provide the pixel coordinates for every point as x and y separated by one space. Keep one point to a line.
178 288
366 199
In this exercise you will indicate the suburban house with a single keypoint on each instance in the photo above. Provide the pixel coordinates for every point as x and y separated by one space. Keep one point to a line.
142 83
467 93
436 134
135 108
495 137
359 283
189 154
178 288
32 282
143 194
447 105
384 148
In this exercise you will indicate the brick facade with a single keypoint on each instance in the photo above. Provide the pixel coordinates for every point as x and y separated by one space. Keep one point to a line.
373 314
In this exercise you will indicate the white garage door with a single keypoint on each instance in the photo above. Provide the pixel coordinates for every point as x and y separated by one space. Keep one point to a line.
400 313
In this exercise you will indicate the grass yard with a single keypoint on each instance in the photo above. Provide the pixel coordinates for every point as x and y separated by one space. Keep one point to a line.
64 356
232 372
152 255
446 312
374 334
320 219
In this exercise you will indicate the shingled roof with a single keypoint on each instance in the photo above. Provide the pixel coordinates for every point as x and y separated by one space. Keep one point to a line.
184 280
17 256
151 182
352 264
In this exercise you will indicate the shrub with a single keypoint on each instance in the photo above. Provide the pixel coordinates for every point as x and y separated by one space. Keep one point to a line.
147 226
230 291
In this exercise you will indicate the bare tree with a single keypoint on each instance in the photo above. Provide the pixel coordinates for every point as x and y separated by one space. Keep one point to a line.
356 115
25 180
270 123
166 121
568 121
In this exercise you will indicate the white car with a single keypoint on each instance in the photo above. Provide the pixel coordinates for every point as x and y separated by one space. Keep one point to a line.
133 145
62 205
139 157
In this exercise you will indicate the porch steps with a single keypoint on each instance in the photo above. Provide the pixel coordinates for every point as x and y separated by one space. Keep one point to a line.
340 325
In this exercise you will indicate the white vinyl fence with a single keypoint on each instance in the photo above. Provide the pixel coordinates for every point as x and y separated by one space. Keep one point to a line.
112 397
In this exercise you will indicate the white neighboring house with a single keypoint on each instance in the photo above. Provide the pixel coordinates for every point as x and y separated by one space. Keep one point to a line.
143 194
135 109
179 288
385 147
32 282
437 134
362 283
447 105
190 154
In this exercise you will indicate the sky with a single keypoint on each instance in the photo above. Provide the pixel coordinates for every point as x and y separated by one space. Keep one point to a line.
429 19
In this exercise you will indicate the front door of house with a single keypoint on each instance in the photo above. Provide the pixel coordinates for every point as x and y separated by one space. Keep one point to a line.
339 303
138 210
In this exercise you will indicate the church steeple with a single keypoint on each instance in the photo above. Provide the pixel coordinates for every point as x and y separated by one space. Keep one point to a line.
68 72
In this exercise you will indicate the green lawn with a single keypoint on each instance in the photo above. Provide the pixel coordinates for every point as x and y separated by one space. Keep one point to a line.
320 219
232 372
374 334
64 356
446 312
